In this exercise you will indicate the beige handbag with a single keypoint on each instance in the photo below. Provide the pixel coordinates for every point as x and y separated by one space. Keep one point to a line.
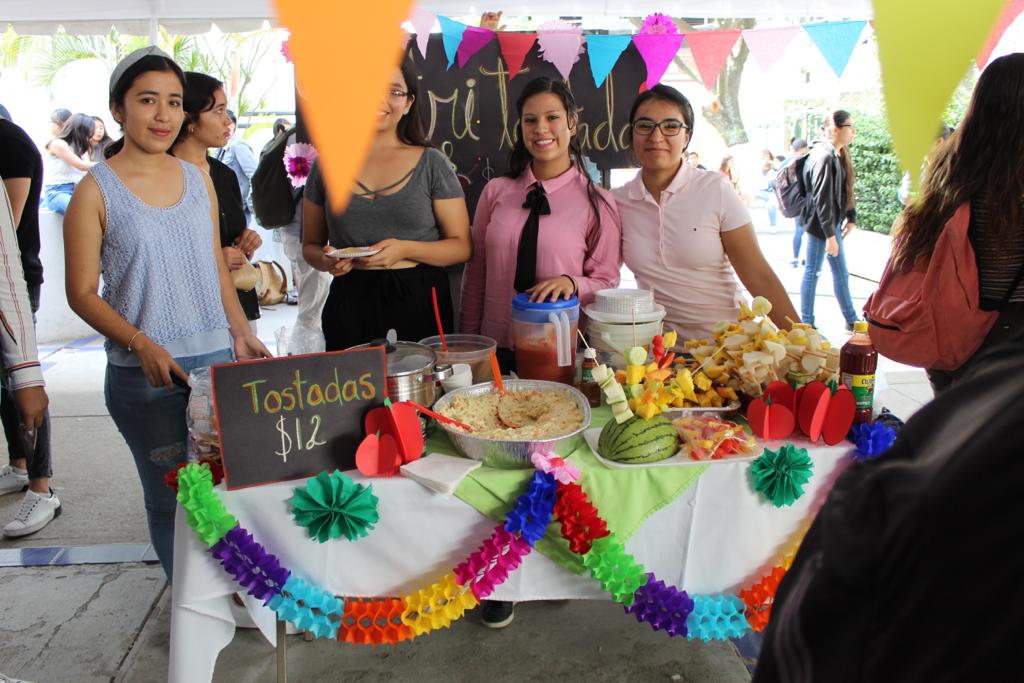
245 277
272 285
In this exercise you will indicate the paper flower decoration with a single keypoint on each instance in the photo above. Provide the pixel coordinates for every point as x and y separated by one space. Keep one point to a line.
309 608
490 565
780 475
205 512
616 569
373 622
665 608
759 598
437 606
716 617
658 23
250 564
872 439
533 509
298 160
562 470
333 505
581 523
286 51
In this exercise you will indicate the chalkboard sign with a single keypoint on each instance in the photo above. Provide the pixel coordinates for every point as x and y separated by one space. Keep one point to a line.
296 416
470 112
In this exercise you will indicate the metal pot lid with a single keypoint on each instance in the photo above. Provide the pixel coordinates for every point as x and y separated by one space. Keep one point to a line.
407 358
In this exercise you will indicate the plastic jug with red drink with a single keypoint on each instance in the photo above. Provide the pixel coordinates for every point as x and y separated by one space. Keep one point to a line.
544 338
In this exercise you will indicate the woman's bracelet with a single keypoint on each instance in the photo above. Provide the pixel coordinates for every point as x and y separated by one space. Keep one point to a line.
132 340
575 287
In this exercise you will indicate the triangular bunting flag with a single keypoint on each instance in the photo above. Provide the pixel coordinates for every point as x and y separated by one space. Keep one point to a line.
423 21
341 120
908 48
658 50
472 40
710 49
1012 10
604 51
836 40
451 36
767 45
514 48
560 44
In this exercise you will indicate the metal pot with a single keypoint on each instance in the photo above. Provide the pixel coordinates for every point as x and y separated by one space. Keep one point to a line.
413 371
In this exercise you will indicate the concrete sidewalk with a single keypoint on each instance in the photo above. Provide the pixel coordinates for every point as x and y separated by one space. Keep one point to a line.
88 608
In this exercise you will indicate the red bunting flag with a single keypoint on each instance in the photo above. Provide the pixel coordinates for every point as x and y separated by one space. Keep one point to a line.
710 49
767 45
1012 10
514 48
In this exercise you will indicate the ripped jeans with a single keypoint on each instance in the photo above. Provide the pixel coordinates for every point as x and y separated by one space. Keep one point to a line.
152 421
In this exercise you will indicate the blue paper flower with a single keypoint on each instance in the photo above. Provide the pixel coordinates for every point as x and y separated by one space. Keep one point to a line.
872 439
533 509
308 607
717 617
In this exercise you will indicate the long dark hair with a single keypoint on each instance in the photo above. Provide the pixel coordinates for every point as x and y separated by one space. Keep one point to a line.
981 159
665 93
840 118
410 127
124 84
198 97
77 132
520 158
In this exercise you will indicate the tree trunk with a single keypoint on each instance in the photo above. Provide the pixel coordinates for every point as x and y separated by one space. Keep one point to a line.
725 114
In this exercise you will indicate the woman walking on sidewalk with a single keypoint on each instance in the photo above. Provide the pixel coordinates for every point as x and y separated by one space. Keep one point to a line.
828 177
168 306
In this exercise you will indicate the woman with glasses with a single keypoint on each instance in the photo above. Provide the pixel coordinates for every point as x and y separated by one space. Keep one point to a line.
829 214
407 208
686 234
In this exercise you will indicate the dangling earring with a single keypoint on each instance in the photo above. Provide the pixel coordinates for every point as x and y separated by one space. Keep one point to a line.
191 129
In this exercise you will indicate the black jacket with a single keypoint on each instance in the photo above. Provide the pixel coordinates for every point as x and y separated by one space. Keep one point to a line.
826 195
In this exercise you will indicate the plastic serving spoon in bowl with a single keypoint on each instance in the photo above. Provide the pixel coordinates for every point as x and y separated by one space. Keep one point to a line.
504 416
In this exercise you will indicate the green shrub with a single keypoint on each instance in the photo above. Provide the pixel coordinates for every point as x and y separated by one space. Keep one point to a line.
878 174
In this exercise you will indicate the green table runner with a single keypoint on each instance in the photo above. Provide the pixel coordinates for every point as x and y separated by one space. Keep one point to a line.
624 498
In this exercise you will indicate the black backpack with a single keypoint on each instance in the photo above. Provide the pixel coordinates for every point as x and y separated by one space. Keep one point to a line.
789 187
273 197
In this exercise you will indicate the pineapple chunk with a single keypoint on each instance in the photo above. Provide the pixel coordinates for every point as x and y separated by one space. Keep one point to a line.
634 374
670 339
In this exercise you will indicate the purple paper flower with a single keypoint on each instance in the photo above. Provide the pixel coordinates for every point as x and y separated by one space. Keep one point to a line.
298 160
658 23
251 565
665 608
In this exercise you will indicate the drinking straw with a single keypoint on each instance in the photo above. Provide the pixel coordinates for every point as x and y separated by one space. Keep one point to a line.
439 417
437 317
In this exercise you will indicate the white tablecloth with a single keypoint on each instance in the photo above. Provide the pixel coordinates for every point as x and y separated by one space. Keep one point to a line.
719 535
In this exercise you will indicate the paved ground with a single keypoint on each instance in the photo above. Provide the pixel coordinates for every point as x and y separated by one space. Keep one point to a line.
71 619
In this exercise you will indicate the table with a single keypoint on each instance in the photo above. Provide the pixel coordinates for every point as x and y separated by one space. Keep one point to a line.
719 535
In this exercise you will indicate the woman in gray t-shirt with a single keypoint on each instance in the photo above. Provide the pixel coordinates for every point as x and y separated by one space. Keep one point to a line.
409 208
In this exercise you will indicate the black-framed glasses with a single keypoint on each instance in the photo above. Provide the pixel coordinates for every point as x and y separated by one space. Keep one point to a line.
669 127
397 94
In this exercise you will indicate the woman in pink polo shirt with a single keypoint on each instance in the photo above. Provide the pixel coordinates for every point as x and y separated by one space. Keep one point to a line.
686 234
544 227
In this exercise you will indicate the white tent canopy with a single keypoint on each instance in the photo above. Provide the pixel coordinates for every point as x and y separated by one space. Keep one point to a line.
140 17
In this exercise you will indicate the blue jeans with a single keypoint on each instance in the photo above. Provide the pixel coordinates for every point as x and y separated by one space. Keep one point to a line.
57 197
840 279
152 421
798 236
768 198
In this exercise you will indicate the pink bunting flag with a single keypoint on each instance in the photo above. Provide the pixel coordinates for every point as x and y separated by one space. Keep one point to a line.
767 45
423 21
1013 9
514 48
472 41
710 50
561 44
658 50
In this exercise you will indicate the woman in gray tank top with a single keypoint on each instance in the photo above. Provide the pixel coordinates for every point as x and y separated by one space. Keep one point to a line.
149 221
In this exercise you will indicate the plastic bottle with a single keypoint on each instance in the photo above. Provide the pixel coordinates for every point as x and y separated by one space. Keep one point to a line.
588 385
857 363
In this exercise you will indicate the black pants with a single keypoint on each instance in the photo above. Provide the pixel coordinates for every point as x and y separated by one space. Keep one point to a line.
39 462
1008 332
364 304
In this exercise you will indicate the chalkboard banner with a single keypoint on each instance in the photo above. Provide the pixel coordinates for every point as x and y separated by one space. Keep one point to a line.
296 416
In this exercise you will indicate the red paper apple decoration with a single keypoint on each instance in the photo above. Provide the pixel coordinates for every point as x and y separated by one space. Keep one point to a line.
378 456
402 423
826 412
773 416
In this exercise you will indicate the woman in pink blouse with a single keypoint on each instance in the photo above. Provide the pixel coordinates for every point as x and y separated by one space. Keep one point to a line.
686 234
574 248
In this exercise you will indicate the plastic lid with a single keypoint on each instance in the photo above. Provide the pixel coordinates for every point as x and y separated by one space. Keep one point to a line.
861 326
589 353
404 358
521 302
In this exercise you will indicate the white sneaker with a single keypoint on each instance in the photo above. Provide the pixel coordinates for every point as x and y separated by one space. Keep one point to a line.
11 481
36 511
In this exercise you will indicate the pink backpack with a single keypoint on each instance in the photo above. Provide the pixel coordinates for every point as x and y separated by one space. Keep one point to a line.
932 318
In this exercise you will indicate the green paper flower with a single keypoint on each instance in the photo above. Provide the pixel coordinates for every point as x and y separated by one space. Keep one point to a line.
333 505
780 476
616 569
205 511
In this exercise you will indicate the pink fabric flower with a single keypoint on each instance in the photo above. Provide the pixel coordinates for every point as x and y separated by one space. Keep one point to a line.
658 23
286 51
562 470
298 160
